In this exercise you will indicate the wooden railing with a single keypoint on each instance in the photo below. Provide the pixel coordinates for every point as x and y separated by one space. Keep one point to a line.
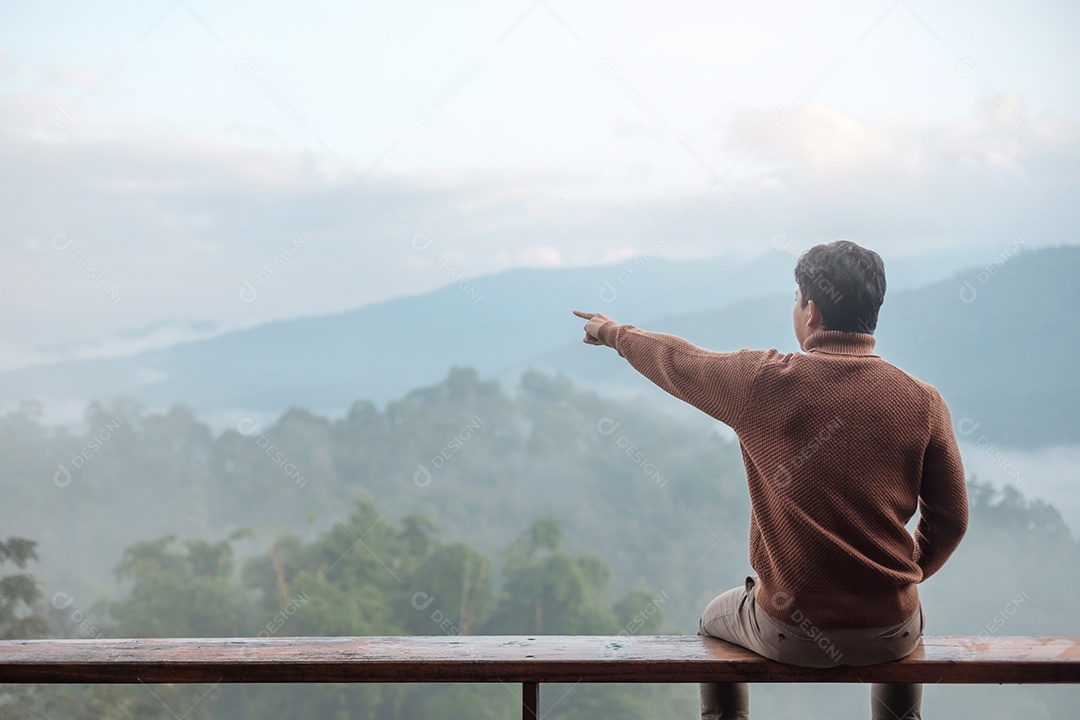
529 660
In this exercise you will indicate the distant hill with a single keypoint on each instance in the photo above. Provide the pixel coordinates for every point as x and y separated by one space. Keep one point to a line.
382 351
999 344
512 321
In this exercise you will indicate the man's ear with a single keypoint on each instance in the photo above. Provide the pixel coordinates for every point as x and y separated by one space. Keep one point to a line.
813 315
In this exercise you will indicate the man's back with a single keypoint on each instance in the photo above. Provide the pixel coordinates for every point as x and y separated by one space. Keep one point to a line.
838 446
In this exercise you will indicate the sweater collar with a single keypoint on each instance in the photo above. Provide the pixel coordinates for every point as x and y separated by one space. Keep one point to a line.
839 342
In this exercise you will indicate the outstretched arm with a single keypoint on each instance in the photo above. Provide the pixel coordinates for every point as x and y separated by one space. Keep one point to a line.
716 383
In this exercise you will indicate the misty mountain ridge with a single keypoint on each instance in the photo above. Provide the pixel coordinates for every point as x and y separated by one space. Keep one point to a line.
974 348
995 340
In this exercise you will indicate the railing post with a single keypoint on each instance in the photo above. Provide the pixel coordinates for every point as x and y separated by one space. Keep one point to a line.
530 701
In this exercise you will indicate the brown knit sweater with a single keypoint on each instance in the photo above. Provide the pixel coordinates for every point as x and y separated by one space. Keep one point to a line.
840 449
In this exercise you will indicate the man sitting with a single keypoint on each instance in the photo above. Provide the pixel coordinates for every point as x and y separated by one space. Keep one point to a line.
840 448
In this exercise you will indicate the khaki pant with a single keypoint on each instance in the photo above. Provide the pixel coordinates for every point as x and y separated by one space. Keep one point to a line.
736 618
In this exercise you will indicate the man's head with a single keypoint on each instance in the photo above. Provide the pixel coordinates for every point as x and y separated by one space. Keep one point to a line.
841 287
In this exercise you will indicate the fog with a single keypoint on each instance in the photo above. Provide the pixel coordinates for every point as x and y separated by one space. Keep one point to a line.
288 343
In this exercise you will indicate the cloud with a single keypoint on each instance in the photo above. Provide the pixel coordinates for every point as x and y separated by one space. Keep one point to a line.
134 340
824 143
898 179
179 225
51 76
541 256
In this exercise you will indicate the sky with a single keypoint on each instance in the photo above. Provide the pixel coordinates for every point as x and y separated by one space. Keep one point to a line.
171 170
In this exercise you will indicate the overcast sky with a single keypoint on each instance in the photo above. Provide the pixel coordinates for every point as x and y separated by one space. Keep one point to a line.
169 169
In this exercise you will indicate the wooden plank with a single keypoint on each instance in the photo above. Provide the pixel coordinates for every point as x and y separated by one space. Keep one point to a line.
540 659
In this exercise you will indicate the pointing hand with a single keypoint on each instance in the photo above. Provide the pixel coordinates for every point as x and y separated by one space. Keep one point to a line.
592 328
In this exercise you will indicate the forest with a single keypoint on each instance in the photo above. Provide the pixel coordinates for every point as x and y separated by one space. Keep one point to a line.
463 508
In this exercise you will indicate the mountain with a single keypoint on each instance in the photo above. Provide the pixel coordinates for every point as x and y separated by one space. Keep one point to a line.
382 351
998 341
505 323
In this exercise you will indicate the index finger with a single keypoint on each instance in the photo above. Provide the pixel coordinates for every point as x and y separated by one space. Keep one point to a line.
586 315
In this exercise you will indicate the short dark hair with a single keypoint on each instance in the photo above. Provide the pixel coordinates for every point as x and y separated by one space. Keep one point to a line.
846 282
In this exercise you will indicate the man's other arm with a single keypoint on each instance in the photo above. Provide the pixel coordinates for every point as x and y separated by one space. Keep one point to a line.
943 505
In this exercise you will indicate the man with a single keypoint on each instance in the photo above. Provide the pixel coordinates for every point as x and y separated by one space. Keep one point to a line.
840 449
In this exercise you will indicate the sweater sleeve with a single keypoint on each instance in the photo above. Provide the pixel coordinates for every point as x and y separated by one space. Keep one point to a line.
716 383
943 505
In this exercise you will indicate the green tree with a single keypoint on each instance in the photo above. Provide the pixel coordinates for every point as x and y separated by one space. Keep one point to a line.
19 592
190 591
19 619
